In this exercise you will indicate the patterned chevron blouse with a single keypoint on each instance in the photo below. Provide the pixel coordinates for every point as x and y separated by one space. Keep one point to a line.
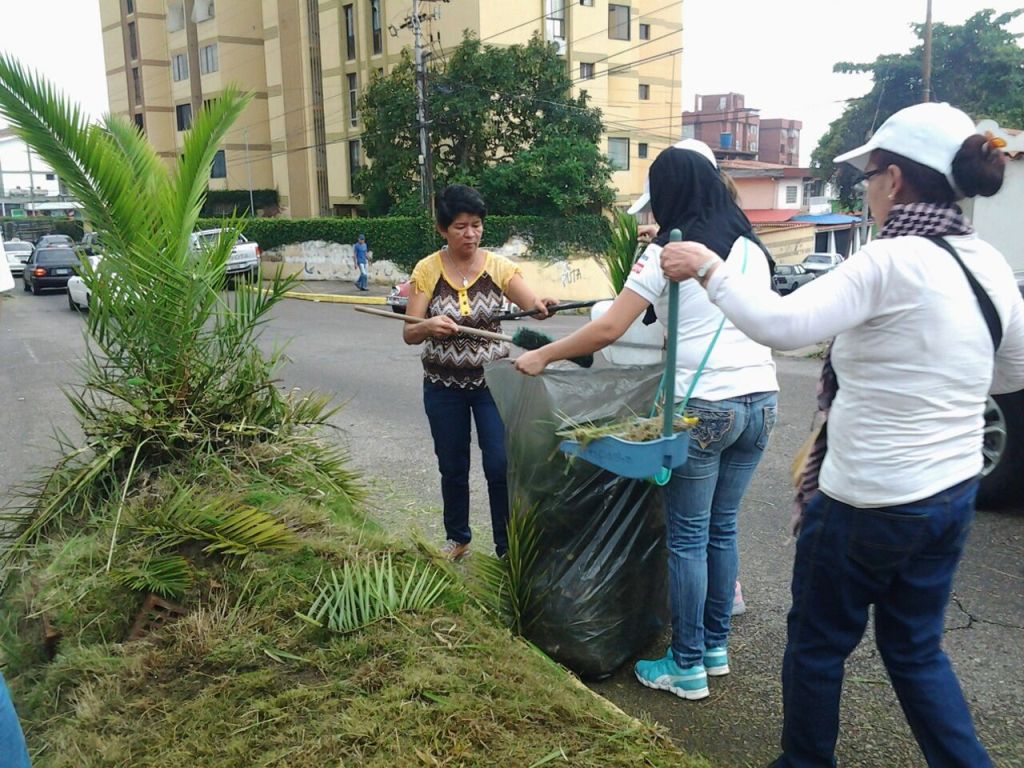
458 361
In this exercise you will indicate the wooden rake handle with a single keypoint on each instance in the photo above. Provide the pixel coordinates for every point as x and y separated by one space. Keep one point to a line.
406 319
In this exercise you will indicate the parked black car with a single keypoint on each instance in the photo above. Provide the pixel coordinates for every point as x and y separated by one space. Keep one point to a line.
49 268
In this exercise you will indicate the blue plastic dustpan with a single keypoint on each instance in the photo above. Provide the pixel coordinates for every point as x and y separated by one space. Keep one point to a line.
632 459
650 458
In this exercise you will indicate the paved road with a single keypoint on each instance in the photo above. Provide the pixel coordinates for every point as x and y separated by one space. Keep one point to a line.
363 360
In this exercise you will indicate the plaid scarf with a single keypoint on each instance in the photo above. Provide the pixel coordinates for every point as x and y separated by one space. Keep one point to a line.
908 219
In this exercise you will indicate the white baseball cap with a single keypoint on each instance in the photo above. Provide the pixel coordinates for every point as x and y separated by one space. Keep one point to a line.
694 145
930 134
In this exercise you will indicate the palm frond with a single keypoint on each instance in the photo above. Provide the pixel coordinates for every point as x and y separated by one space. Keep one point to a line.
226 525
162 574
366 592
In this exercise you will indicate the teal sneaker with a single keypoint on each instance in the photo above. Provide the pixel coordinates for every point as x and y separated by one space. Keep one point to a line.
716 661
665 675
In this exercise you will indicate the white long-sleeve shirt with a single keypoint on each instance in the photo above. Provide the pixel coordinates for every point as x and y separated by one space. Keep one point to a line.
737 366
912 353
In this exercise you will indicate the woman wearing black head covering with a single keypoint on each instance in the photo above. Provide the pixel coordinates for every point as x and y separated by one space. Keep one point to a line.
734 398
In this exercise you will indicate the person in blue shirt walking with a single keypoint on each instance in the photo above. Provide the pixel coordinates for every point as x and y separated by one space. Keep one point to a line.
362 260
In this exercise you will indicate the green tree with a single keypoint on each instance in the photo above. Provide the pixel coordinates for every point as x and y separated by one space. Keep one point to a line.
501 118
977 66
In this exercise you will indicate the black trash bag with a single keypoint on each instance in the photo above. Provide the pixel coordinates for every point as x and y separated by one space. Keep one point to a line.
600 581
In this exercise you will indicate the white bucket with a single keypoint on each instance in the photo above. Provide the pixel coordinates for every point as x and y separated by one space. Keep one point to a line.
639 345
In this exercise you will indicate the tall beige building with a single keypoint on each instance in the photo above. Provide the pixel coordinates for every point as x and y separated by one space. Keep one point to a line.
306 62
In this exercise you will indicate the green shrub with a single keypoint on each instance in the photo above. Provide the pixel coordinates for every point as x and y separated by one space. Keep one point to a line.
404 240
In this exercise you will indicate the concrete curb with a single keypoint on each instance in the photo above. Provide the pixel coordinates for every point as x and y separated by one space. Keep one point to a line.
328 298
331 298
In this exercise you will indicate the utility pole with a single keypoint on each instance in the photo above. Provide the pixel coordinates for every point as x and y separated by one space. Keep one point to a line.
31 179
248 166
927 67
426 166
426 183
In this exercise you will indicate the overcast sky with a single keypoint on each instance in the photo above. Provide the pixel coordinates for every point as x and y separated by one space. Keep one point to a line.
778 54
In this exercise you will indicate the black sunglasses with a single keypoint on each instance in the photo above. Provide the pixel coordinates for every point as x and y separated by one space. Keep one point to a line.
866 176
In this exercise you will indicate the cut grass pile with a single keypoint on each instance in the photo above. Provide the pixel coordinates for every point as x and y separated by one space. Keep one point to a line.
243 680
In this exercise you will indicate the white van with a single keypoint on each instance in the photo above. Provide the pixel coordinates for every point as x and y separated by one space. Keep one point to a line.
6 280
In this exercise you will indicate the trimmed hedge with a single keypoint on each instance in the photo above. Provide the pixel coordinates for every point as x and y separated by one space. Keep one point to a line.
35 226
404 240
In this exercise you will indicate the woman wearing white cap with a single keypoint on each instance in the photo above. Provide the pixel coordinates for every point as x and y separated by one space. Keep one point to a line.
734 398
919 315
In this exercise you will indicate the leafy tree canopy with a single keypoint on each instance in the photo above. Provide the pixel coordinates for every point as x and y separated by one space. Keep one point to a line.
502 119
977 66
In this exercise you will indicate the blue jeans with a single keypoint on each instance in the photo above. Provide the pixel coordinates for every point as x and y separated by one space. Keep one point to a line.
364 276
701 504
900 559
13 753
449 411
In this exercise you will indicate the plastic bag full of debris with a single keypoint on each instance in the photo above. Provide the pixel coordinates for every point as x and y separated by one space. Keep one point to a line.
599 582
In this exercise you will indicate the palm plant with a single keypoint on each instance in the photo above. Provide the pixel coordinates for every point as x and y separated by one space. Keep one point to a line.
173 369
621 253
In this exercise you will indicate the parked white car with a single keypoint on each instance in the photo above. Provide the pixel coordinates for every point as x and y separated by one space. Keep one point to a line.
244 262
822 262
78 292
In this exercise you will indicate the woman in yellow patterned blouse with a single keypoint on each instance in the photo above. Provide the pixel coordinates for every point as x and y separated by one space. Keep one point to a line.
462 285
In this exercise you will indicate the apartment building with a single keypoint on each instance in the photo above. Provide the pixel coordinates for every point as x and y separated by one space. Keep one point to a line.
780 141
735 131
307 61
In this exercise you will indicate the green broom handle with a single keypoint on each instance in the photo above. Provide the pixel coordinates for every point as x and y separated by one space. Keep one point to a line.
668 427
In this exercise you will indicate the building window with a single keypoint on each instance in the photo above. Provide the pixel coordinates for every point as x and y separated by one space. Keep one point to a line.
380 72
203 10
378 36
129 6
645 31
354 164
183 116
350 32
641 150
179 67
588 3
586 70
790 195
133 41
137 85
618 22
209 61
353 99
219 169
618 154
140 122
645 92
175 17
556 19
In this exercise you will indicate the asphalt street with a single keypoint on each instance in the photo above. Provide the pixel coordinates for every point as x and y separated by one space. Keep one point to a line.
376 378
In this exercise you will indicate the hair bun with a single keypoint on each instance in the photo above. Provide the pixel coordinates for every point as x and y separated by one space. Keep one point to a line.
979 166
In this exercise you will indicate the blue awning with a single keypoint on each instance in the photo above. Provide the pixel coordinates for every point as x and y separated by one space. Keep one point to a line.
826 219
